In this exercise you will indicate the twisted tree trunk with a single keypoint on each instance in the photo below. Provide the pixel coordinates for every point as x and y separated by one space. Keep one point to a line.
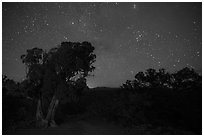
52 121
40 122
49 120
51 112
39 114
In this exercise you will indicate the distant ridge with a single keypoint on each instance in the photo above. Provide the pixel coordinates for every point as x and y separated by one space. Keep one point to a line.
105 89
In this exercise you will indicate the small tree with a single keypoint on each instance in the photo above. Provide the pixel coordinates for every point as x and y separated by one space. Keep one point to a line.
185 78
150 79
54 72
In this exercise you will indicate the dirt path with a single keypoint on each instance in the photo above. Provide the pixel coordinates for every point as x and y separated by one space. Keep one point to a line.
98 127
81 127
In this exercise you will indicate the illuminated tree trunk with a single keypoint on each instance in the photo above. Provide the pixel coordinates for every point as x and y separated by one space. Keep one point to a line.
39 114
49 120
51 112
52 120
40 122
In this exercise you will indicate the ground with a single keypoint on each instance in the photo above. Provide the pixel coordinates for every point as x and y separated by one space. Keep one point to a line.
76 127
97 126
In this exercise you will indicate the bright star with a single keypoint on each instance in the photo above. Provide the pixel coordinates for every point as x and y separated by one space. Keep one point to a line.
134 6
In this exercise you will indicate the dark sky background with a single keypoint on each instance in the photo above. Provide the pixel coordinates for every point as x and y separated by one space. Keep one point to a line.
128 37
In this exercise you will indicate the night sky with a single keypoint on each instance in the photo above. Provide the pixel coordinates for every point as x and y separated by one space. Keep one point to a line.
128 37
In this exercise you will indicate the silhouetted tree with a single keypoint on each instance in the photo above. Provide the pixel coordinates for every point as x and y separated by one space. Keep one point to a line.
9 86
186 78
54 72
140 80
164 98
162 79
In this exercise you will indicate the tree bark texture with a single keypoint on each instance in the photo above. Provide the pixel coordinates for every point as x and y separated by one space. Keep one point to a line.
40 122
49 120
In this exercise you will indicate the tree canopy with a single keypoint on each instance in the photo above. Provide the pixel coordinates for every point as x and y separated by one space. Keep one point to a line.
161 79
53 74
65 63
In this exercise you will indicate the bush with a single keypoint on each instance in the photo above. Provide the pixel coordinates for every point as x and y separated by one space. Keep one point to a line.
15 111
160 107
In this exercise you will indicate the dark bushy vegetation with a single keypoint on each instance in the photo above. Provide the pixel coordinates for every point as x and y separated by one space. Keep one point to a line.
155 102
17 109
151 107
155 99
52 78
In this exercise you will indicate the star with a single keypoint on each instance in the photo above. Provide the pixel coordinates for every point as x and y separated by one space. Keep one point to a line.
65 37
125 41
134 6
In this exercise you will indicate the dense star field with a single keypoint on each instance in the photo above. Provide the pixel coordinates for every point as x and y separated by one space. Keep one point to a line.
128 37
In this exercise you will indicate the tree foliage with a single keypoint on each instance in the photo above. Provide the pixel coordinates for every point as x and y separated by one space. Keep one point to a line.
162 79
65 63
53 74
